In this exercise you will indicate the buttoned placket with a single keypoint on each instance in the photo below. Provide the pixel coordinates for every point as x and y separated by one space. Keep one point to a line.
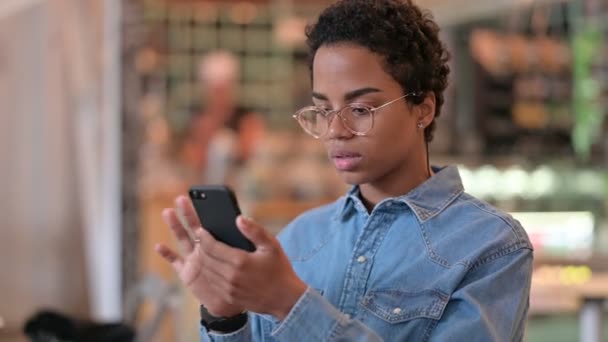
360 265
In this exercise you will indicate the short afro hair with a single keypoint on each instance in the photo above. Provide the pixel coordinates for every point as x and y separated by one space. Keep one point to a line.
399 31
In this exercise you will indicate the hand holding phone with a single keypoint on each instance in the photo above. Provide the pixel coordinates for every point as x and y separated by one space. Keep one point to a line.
268 274
217 209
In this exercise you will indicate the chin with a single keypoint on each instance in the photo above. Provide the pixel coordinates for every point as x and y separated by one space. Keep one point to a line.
353 178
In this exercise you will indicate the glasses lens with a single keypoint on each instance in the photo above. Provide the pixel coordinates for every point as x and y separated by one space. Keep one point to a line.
358 118
313 122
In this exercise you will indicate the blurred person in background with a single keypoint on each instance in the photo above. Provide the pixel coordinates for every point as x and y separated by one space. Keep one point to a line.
406 254
233 131
250 128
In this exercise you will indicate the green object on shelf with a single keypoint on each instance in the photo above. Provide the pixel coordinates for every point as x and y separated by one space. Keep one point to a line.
586 45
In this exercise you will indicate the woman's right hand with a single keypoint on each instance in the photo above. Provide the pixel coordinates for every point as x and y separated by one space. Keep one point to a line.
190 266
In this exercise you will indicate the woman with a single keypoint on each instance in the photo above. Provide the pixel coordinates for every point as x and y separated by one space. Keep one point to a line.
406 254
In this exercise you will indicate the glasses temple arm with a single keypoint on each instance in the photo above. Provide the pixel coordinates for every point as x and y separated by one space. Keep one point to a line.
397 99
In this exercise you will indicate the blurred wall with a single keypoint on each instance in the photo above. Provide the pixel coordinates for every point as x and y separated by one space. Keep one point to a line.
41 249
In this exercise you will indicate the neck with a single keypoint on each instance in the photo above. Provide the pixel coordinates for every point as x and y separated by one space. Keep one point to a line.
398 182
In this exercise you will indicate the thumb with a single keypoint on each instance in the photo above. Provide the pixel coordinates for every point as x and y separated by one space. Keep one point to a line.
255 233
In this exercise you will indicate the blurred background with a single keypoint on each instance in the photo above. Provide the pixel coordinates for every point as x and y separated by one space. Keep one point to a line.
111 108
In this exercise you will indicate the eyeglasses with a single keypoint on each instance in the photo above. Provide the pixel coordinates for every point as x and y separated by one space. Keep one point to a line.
358 118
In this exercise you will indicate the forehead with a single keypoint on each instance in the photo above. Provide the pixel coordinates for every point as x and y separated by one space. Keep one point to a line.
340 68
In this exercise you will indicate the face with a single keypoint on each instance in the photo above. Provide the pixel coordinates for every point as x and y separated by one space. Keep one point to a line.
348 73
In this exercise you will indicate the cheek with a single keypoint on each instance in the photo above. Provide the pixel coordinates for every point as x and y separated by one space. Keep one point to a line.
387 151
396 136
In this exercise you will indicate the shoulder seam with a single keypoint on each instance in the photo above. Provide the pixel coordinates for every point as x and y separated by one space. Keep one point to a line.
514 247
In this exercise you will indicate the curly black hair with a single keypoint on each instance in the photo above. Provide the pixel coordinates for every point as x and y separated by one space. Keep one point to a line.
399 31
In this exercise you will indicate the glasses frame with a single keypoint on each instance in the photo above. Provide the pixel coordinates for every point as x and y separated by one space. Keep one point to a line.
331 114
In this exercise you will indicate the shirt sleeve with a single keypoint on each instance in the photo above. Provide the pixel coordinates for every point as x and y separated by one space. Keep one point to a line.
492 301
313 318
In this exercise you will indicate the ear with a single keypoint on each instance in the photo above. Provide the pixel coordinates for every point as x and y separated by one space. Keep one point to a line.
426 109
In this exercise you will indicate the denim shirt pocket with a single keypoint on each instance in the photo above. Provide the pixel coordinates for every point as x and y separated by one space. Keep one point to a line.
398 306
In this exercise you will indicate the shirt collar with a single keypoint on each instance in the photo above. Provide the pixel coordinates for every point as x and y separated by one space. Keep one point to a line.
426 200
352 201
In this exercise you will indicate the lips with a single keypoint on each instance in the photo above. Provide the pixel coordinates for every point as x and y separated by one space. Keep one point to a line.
345 160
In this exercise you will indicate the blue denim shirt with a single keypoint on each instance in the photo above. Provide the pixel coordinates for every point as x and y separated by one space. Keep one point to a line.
434 264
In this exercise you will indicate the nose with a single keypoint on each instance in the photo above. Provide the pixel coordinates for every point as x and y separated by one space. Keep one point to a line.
337 128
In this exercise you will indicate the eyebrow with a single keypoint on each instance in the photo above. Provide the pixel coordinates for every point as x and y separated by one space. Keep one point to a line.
350 95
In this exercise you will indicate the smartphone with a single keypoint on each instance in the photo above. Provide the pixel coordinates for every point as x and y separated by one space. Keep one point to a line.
217 209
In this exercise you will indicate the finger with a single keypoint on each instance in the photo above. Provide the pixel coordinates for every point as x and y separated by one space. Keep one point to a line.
185 208
171 219
255 233
217 250
170 256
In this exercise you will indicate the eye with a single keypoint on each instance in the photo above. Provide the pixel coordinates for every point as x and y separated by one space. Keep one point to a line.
322 106
359 110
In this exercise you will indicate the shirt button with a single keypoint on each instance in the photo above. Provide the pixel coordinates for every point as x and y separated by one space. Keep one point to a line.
397 311
361 259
